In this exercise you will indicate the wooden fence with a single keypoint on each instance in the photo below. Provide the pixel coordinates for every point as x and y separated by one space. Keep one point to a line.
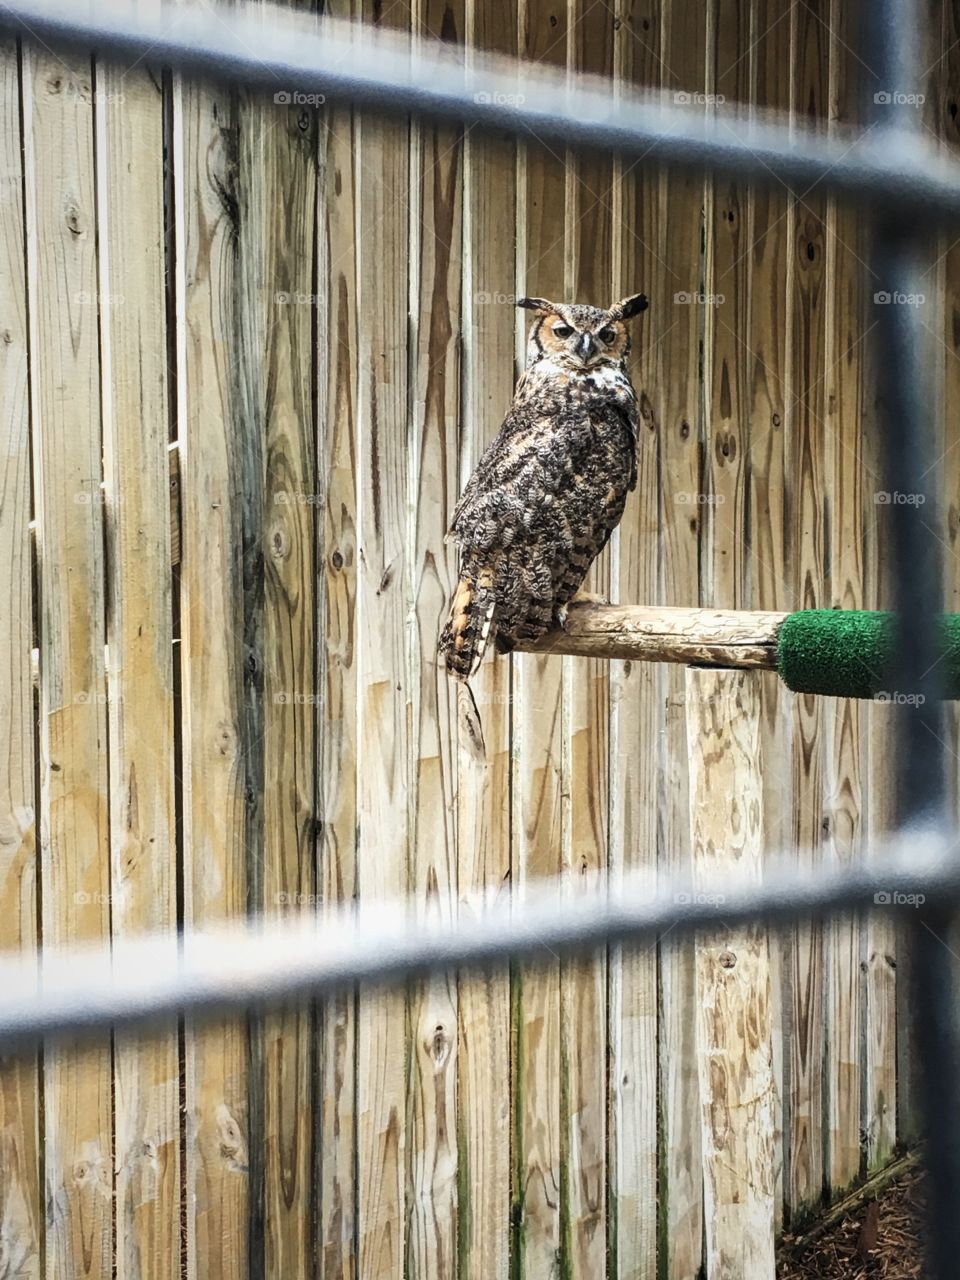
250 351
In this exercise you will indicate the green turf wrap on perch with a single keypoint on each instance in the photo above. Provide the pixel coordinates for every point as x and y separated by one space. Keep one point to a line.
851 654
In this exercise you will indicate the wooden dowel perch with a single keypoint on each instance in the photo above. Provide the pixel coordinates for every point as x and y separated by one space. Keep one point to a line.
697 637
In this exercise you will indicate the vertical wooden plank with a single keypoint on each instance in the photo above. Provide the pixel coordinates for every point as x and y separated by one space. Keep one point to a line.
734 1031
678 318
286 239
805 434
20 1195
435 238
770 549
75 854
843 719
634 717
483 786
583 983
538 740
383 187
246 466
140 639
725 548
212 629
879 955
338 746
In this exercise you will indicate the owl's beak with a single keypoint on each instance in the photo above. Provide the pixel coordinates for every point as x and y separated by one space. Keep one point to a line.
585 347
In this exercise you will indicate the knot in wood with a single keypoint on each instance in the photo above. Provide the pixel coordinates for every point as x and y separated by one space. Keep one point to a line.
225 739
439 1046
727 959
279 543
726 447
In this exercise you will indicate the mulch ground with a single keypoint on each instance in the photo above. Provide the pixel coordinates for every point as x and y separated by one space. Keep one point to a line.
879 1240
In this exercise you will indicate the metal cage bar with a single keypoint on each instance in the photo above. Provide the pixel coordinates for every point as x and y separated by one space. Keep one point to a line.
908 456
81 990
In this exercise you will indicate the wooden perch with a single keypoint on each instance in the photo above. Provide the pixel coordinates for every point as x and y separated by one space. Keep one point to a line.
639 633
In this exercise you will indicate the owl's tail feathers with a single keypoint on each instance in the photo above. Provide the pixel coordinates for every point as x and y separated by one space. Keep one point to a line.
463 643
464 639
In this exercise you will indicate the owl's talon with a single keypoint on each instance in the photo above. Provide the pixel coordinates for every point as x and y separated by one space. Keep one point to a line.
588 597
561 614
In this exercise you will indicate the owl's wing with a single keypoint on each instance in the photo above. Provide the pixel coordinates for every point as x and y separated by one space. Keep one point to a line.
485 475
466 498
627 408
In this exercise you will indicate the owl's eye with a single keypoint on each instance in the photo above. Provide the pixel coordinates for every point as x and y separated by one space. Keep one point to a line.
607 335
562 330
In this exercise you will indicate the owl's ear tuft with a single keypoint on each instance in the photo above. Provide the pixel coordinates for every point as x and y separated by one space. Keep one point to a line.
627 308
536 304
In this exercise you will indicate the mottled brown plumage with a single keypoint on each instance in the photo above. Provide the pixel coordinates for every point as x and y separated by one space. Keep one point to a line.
551 488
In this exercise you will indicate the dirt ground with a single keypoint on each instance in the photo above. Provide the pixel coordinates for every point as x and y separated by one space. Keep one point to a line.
879 1240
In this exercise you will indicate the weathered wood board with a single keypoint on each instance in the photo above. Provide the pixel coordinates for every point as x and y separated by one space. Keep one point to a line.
634 717
845 328
676 315
383 178
20 1196
141 700
280 245
803 974
436 209
770 546
63 287
543 270
484 1087
214 747
586 697
338 443
734 1027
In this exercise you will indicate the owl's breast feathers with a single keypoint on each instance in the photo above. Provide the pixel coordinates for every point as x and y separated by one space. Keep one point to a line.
540 507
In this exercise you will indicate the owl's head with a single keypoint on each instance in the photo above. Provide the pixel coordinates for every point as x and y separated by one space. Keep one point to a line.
578 336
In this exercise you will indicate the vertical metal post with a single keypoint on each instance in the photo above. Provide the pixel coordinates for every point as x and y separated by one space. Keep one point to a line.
909 451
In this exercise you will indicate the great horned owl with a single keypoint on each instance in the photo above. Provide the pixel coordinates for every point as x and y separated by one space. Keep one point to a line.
551 488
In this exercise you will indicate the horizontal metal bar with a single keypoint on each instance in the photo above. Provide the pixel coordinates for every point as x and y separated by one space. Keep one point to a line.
263 962
326 60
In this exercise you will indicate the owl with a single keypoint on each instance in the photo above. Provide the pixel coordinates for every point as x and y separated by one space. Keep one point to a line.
551 488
